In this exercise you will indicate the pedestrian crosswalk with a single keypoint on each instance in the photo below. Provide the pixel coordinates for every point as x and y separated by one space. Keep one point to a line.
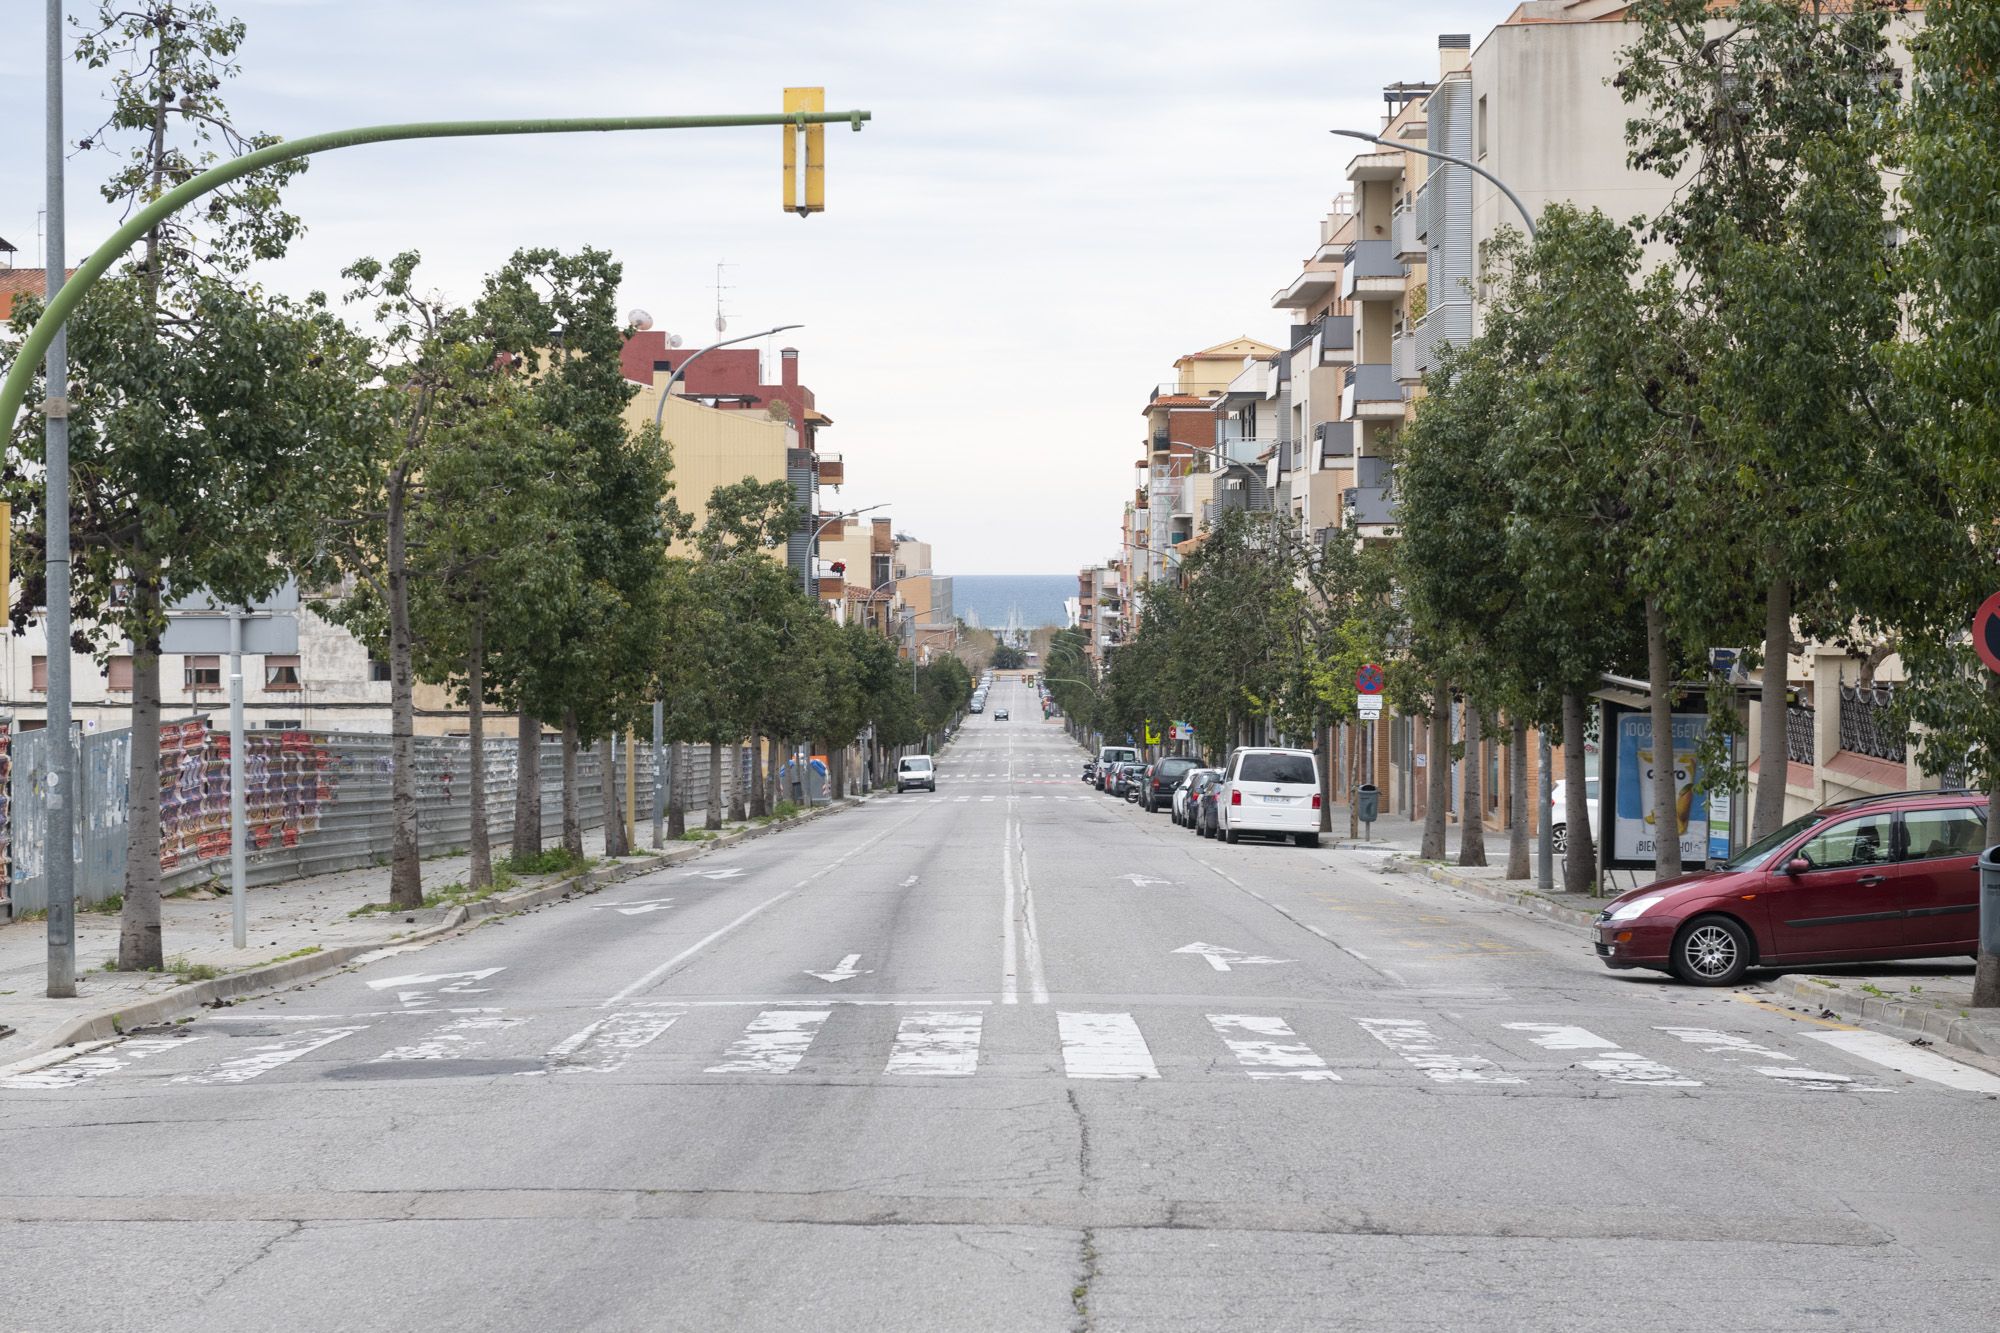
899 1039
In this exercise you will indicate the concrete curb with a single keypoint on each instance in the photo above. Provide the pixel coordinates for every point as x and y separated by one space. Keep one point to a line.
110 1022
1912 1020
1503 891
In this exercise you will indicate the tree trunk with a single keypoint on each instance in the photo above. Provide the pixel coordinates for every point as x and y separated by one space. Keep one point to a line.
1325 777
527 788
760 790
406 875
572 818
1666 789
713 820
738 808
614 798
1517 801
1768 814
676 790
480 842
1472 809
140 946
1580 860
1440 772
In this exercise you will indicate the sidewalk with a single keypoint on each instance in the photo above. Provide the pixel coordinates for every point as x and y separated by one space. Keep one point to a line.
298 930
1926 999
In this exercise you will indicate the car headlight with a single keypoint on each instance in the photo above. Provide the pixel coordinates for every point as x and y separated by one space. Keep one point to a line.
1636 908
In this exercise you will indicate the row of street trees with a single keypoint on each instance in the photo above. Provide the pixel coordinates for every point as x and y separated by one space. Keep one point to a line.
1769 414
456 482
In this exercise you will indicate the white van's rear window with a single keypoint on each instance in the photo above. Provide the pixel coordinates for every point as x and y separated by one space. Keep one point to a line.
1278 768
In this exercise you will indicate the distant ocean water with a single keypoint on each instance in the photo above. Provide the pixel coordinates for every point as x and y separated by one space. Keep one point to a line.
992 596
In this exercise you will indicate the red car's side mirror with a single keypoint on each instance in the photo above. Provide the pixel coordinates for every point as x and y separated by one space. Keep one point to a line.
1798 865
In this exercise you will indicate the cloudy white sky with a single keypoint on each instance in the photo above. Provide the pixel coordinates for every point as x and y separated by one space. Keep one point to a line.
1053 200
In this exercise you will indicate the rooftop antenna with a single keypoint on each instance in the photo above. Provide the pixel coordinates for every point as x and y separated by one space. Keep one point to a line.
721 320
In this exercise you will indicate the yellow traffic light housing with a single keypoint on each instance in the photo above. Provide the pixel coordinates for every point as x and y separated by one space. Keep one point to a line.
813 138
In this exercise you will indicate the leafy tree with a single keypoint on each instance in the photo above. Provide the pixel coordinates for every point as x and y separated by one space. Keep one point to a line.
208 418
1951 368
1006 657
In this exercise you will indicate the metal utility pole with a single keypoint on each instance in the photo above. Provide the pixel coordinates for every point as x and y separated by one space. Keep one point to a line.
239 824
659 775
61 841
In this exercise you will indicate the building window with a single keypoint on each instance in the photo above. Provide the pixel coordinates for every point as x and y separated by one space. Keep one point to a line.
118 674
281 673
281 724
377 669
39 675
202 673
1481 131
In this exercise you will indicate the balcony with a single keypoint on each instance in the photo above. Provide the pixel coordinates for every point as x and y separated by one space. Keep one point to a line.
1335 440
1371 272
1420 221
1371 506
1381 166
1403 359
1333 341
1371 394
1404 236
832 470
1308 289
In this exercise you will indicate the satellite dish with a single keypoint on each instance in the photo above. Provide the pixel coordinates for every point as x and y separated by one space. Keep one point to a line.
674 340
639 319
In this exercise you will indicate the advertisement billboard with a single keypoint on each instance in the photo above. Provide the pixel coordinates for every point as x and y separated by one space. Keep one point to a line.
1635 822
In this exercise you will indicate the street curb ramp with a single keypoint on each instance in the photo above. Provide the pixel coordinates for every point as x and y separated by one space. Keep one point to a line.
112 1022
1504 891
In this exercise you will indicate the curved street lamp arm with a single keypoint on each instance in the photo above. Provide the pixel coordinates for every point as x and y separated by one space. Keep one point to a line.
660 412
32 350
1526 218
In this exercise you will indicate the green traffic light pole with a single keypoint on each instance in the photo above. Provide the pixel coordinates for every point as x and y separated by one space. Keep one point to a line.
44 340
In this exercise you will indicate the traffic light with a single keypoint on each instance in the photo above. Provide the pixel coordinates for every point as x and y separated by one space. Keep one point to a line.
814 139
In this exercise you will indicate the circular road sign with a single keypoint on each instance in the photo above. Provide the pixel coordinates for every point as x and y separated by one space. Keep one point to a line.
1986 632
1368 680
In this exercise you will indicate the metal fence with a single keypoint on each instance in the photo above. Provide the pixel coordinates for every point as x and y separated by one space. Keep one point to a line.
316 801
1799 724
1867 725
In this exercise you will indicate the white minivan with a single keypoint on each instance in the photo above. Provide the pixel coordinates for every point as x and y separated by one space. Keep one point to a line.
1270 791
915 770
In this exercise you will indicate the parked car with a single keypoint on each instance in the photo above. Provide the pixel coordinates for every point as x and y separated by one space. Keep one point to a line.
1891 876
915 770
1184 792
1202 805
1558 814
1162 776
1270 791
1108 755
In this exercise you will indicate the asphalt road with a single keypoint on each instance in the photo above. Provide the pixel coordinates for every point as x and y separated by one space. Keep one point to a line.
1014 1056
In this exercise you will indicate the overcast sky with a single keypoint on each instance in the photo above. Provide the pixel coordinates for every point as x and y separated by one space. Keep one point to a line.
1053 201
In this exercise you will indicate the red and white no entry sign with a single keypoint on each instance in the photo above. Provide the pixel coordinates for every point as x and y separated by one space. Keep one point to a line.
1986 632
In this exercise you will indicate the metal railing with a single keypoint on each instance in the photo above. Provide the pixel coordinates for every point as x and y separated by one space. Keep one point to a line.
1799 745
1867 725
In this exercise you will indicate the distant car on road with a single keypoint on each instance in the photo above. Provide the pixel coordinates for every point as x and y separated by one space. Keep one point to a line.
1558 814
1107 755
1202 817
915 770
999 715
1270 791
1893 876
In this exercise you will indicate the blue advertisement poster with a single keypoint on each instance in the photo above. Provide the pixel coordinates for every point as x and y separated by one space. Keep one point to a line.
1636 823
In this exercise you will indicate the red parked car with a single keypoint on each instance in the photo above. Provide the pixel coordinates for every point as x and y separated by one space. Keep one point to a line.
1878 877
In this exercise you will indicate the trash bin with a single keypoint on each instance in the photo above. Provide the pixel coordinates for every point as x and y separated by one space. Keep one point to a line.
1989 900
1367 802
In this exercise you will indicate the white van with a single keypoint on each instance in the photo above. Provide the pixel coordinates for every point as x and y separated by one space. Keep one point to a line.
915 771
1270 791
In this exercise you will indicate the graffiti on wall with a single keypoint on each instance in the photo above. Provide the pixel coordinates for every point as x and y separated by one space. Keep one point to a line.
288 780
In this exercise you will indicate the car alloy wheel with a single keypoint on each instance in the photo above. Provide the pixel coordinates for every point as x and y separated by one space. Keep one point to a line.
1559 839
1711 951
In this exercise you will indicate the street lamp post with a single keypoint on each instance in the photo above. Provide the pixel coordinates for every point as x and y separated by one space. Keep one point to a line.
1544 850
45 341
667 390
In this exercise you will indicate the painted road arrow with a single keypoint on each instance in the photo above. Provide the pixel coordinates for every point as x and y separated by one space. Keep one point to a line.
844 971
727 872
637 907
1222 959
1141 881
460 984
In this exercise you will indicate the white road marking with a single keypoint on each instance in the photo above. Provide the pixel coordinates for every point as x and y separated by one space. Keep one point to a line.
1104 1046
263 1059
774 1043
844 970
608 1043
937 1043
1617 1065
1712 1042
1413 1040
1222 959
719 872
83 1068
637 907
1904 1058
653 976
1268 1048
451 1041
908 882
412 998
1141 881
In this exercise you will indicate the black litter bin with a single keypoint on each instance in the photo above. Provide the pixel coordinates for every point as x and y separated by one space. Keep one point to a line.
1989 900
1367 802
